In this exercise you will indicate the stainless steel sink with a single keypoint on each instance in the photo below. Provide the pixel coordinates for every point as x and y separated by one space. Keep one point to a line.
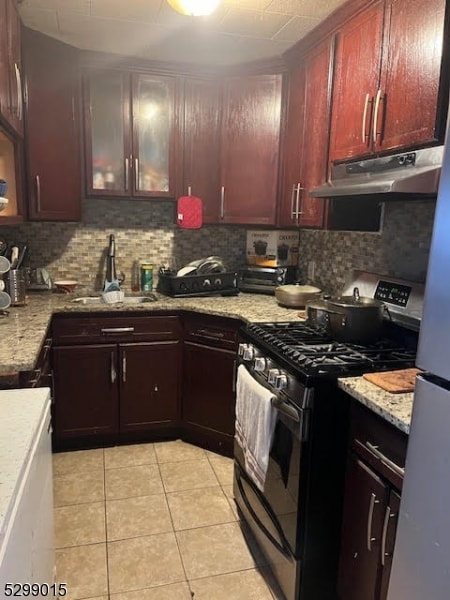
126 300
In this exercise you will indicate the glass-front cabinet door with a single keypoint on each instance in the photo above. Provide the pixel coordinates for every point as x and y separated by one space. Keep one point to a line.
129 134
152 102
107 133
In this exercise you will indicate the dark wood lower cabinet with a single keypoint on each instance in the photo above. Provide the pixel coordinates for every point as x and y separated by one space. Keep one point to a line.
86 393
209 396
120 379
371 503
209 374
149 381
115 390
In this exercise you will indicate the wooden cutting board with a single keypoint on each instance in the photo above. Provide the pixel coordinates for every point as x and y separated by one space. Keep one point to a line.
396 382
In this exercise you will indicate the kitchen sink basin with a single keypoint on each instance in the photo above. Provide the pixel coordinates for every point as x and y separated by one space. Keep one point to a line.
126 300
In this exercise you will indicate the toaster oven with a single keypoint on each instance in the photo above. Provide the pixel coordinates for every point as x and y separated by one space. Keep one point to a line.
264 280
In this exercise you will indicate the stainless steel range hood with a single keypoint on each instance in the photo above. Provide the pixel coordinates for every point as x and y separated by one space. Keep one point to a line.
415 174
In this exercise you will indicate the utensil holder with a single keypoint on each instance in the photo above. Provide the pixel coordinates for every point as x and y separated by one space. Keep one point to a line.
15 286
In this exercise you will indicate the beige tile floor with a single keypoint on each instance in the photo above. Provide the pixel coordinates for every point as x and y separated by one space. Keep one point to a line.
152 522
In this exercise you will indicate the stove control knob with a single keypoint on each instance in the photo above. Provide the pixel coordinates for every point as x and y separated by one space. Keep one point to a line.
259 363
281 382
272 374
241 349
249 353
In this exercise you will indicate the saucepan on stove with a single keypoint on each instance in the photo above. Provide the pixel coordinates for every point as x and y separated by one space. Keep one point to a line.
353 319
295 295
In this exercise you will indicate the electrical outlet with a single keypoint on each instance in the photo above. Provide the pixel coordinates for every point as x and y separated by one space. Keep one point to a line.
311 270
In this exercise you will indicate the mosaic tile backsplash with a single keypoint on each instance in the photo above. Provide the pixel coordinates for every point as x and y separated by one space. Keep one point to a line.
145 231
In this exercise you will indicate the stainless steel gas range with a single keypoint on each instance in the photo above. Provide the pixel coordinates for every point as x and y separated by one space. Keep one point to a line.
296 518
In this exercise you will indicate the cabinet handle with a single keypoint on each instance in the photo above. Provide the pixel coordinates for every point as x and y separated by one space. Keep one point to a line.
298 212
37 376
213 334
376 133
113 369
124 367
384 459
293 201
365 135
19 91
136 173
38 193
387 515
222 201
370 539
107 330
127 168
233 387
189 190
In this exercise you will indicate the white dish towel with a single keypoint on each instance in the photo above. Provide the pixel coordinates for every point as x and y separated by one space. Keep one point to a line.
255 424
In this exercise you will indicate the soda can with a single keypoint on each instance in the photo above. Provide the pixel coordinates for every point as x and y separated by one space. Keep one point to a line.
146 277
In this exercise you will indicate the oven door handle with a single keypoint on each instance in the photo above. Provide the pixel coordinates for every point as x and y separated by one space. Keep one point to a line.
283 547
284 408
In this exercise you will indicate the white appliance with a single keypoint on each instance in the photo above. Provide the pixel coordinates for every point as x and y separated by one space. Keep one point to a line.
421 562
27 553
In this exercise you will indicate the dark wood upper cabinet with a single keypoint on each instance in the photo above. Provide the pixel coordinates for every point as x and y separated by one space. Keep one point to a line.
129 134
250 141
306 138
201 144
386 88
53 152
11 83
357 71
409 112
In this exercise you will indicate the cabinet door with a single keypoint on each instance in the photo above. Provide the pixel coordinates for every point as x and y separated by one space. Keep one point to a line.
4 62
107 133
202 144
409 87
149 385
358 60
289 205
53 88
364 504
85 391
15 113
209 395
388 540
250 149
153 136
315 132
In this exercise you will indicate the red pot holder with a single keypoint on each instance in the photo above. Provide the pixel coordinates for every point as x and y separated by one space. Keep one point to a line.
189 212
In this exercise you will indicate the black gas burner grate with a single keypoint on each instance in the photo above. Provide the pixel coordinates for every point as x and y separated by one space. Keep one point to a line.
311 351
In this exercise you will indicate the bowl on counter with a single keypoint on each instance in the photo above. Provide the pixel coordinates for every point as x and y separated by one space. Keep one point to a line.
295 295
65 286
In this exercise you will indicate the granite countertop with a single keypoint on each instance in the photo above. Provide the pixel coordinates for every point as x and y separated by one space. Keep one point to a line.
23 330
24 411
395 408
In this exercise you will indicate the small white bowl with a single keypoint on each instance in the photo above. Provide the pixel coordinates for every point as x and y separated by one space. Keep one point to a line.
113 297
66 286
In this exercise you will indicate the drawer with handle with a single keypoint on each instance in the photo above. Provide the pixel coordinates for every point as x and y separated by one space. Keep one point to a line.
98 329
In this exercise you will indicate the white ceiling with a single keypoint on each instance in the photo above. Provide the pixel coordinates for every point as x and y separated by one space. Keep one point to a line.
238 31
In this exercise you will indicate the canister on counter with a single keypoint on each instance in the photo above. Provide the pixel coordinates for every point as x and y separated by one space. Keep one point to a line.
146 277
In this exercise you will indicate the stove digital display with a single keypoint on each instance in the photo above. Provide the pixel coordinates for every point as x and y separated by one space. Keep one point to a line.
393 293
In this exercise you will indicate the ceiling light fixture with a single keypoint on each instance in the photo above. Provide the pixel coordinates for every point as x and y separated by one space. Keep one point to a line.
194 8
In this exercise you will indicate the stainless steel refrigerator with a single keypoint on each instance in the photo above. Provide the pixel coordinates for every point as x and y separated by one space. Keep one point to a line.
421 562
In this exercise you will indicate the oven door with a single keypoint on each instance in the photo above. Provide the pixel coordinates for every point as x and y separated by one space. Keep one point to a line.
274 516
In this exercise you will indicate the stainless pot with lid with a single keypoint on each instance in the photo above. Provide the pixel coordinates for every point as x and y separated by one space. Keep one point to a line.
353 319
